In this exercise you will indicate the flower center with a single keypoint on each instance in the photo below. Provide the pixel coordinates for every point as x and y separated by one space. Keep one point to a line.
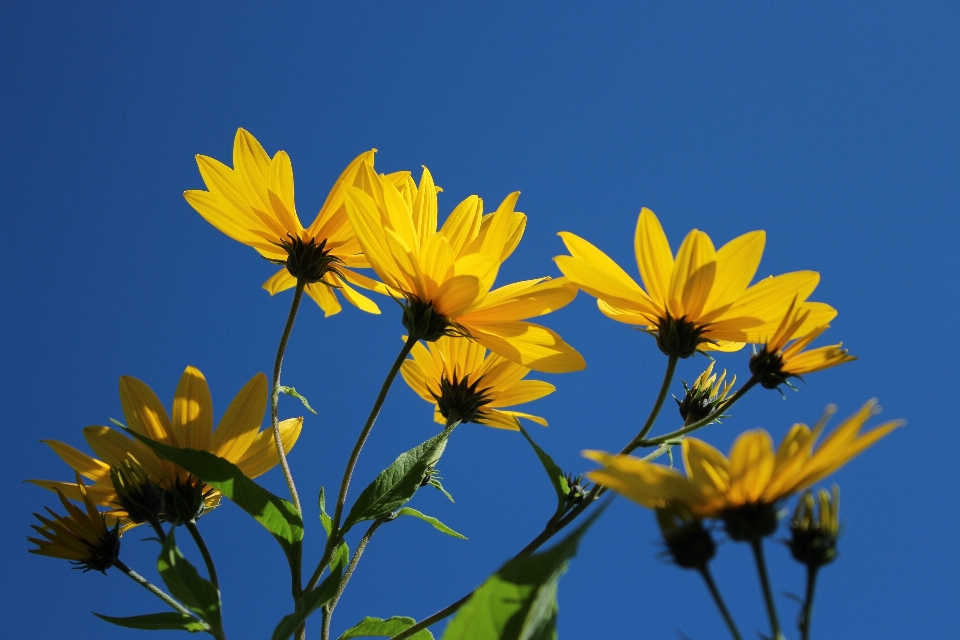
767 367
309 261
678 337
461 400
423 322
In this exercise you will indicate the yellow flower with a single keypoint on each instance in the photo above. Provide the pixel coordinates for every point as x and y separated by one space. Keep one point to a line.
754 473
237 439
776 361
699 300
446 276
253 204
465 383
82 538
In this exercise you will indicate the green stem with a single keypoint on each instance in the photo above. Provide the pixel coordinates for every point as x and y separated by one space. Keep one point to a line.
275 396
330 606
155 590
664 389
708 578
699 424
757 546
155 523
807 612
294 557
334 538
207 559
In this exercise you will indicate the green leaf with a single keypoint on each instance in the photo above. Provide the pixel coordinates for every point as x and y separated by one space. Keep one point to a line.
169 620
321 595
439 526
435 483
397 483
518 602
341 556
384 628
290 391
554 472
276 514
187 586
325 518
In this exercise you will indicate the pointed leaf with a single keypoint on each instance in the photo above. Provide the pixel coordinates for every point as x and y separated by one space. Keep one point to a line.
518 602
325 518
439 526
321 595
557 479
276 514
187 586
169 620
290 391
435 483
377 627
397 483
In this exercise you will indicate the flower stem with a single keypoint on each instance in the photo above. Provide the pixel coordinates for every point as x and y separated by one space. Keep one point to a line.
334 539
807 612
275 396
365 433
294 557
664 389
207 559
757 546
708 578
155 590
699 424
330 606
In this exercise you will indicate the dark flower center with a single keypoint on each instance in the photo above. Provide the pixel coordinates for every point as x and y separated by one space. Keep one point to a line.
461 400
678 337
309 261
767 367
103 553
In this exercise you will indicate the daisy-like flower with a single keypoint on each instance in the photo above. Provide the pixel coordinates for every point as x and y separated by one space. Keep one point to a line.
253 204
699 300
445 277
464 383
750 482
82 538
776 362
128 467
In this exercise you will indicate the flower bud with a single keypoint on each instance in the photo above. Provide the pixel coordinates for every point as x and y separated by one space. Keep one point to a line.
137 494
705 396
688 542
750 522
815 533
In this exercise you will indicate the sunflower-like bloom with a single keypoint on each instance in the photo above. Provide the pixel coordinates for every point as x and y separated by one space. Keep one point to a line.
753 474
699 300
124 461
776 362
82 538
465 383
253 204
445 277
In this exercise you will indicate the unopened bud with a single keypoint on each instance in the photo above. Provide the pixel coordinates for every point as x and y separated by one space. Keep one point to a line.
815 531
688 542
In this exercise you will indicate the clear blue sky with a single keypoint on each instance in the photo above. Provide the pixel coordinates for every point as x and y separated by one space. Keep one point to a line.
834 126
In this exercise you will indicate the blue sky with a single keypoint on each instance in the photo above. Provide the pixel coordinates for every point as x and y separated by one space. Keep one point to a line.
833 126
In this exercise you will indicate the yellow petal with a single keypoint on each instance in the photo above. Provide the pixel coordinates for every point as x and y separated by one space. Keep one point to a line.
280 281
463 224
324 297
521 392
751 465
705 466
737 263
89 467
192 411
650 485
535 300
528 344
261 456
144 412
456 295
654 258
693 276
239 424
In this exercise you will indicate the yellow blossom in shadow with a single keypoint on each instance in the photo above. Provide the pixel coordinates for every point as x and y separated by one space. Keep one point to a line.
700 300
465 383
237 438
445 277
753 474
253 203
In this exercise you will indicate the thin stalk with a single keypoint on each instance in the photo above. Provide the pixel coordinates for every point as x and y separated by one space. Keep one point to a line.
334 538
807 612
296 551
275 396
708 578
365 433
664 389
155 590
155 523
330 606
757 546
699 424
207 559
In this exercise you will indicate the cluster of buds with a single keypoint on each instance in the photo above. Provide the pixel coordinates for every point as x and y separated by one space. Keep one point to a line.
815 533
706 395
